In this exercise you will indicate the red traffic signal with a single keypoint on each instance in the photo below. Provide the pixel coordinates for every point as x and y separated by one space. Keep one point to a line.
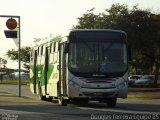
11 23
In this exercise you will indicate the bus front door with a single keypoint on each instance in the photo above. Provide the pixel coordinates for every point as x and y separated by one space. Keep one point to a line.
62 76
46 69
35 71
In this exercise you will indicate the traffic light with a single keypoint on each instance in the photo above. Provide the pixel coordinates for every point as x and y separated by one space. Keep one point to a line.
11 24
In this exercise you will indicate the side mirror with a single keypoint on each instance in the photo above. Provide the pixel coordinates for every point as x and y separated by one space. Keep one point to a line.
66 48
129 53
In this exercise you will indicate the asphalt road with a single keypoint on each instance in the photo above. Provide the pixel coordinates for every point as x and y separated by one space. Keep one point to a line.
28 107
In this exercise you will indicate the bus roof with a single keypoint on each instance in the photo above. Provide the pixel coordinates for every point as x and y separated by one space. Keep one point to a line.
60 37
103 35
47 40
98 30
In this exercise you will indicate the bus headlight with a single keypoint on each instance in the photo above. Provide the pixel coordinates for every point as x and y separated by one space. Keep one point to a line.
73 84
121 85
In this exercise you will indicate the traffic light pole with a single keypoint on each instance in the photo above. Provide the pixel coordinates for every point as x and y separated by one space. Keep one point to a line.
19 50
19 59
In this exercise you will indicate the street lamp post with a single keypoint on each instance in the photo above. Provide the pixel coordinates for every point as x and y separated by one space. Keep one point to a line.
19 50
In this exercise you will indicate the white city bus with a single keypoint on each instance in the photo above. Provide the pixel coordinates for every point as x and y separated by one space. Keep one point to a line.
81 66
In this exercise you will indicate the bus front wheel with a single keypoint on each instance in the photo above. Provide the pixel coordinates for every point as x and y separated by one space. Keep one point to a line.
111 102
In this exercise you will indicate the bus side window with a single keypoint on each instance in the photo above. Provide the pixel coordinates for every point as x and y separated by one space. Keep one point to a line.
38 51
41 50
54 46
31 54
55 52
51 48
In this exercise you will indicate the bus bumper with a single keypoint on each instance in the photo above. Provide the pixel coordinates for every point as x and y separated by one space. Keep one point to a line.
98 93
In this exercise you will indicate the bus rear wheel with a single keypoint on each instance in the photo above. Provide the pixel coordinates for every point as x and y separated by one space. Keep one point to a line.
111 102
81 101
41 97
62 101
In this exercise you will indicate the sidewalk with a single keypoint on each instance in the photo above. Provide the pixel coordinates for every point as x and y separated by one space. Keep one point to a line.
6 97
9 95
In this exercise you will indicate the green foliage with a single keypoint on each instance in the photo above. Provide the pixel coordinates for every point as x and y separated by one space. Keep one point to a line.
24 53
89 20
14 82
142 28
3 63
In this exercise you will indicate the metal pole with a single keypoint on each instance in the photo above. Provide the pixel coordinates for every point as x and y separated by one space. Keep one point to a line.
19 59
19 50
10 16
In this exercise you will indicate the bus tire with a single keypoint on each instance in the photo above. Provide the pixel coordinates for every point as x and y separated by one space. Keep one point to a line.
62 101
81 101
50 99
41 97
111 102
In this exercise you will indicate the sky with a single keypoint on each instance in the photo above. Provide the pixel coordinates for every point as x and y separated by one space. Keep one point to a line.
42 18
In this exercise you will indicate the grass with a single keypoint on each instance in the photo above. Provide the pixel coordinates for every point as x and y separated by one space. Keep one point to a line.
14 82
146 93
143 89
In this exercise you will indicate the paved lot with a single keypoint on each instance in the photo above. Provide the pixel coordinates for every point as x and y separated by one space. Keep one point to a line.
28 107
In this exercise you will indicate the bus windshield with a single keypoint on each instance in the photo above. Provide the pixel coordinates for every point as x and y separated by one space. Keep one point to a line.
98 57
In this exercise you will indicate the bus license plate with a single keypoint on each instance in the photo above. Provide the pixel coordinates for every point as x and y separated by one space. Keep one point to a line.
98 93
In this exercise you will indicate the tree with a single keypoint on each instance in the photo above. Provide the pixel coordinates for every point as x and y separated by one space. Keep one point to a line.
142 27
89 20
3 63
24 56
145 38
